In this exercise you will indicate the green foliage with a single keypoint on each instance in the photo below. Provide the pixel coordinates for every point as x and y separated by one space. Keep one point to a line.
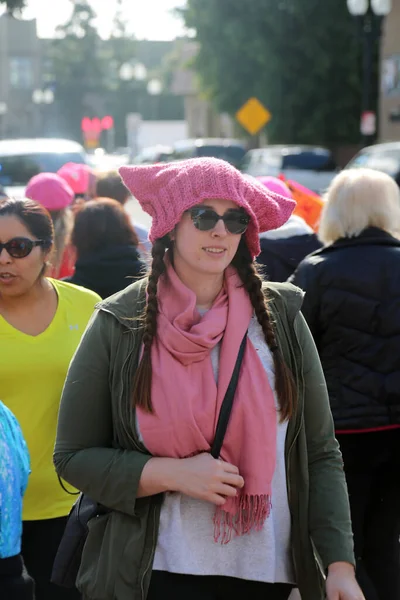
86 70
85 74
301 58
77 67
13 5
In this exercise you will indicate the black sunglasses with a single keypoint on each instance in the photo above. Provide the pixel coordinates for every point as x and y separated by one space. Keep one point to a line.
19 247
205 219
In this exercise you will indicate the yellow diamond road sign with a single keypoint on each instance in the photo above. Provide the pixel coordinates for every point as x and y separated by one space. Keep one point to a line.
253 116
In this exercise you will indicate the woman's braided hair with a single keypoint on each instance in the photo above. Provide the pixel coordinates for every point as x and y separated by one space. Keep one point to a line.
252 282
143 377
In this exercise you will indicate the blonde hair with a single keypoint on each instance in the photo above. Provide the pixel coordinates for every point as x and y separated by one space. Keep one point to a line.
357 199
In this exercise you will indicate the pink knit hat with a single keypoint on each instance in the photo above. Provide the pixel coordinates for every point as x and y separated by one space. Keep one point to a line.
50 190
276 185
77 176
166 190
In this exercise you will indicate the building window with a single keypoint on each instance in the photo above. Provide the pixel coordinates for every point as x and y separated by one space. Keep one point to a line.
21 72
391 76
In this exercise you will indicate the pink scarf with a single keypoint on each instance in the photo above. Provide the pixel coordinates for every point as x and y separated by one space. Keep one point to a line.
187 401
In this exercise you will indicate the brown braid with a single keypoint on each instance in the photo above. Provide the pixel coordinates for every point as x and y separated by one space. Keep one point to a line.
142 381
284 382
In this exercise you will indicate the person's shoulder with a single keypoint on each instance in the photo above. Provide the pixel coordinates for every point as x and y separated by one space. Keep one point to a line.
285 296
286 291
76 293
10 423
6 416
124 304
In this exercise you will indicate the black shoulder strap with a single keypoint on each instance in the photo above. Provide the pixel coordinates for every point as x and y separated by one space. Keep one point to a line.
227 403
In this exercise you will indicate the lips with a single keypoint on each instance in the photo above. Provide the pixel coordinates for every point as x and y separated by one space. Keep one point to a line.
6 277
214 250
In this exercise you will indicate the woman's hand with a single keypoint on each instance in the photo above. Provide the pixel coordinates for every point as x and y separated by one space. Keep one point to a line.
341 583
206 478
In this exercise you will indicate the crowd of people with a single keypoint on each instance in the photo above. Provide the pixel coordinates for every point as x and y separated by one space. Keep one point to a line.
121 348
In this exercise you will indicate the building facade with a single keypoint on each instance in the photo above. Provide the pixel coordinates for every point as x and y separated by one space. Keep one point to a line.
202 120
20 75
389 117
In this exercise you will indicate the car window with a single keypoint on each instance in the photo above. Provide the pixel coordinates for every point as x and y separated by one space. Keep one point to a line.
181 151
387 161
309 160
232 154
262 158
18 170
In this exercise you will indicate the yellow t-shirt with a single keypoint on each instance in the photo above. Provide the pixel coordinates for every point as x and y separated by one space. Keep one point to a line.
32 374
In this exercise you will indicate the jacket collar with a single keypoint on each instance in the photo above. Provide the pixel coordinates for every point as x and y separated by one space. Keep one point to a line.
128 305
371 236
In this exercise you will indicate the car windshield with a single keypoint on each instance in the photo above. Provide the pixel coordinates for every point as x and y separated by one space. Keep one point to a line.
309 160
17 170
387 161
262 159
232 154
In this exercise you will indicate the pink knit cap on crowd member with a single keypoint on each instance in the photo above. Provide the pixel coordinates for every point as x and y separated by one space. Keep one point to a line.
276 185
50 190
166 190
77 176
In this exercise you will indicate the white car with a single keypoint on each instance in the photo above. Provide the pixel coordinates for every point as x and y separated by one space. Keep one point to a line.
382 157
21 159
311 166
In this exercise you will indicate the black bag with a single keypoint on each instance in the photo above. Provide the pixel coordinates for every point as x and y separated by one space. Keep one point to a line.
69 554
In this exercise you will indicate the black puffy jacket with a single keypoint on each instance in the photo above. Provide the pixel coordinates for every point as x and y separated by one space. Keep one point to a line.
109 270
280 257
352 306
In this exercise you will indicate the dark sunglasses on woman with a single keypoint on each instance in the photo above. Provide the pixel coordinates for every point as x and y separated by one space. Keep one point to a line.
204 218
19 247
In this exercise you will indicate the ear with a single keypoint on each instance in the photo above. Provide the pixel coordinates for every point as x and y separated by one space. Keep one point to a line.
48 252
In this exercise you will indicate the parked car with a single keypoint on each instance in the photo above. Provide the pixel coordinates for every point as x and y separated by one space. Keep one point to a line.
153 154
230 150
21 159
312 166
103 162
382 157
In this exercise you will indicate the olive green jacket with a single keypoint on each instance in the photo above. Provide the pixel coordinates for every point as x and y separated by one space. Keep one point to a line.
98 451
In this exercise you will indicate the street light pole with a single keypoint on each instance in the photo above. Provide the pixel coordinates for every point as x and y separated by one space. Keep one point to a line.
370 15
40 98
368 54
154 89
3 112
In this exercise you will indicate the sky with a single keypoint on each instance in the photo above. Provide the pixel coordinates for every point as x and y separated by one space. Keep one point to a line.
146 19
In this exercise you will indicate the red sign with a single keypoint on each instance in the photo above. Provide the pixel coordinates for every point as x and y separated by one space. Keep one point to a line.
92 128
368 123
86 124
107 122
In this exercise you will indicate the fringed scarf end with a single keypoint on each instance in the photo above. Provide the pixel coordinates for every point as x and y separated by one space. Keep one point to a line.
249 513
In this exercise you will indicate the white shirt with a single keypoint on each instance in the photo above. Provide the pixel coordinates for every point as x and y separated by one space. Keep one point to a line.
186 534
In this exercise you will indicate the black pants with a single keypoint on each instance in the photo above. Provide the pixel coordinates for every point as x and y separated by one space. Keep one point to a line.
200 587
40 540
15 582
372 467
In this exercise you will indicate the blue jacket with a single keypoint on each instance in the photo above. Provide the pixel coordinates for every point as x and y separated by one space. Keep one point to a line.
14 471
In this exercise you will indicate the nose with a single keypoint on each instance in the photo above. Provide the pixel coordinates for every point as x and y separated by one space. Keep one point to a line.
219 229
5 258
